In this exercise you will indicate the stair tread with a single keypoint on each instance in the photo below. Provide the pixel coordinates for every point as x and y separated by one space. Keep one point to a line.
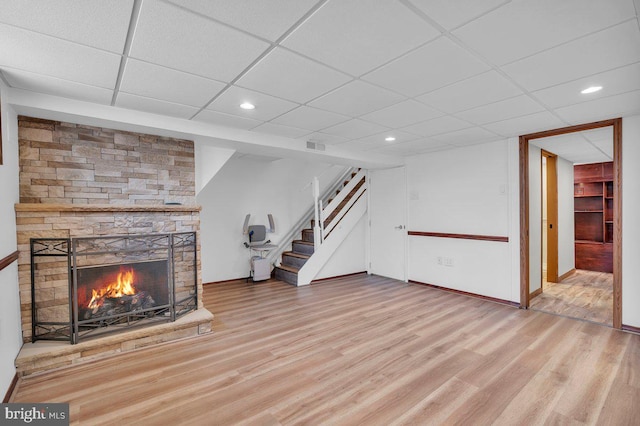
289 268
308 243
296 254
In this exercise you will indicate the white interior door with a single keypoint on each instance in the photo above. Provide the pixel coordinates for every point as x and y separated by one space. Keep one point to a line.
388 231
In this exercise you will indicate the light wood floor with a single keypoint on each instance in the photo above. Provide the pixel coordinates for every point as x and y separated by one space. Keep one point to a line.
361 351
586 295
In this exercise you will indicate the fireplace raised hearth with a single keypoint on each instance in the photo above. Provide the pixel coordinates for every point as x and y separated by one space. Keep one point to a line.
112 283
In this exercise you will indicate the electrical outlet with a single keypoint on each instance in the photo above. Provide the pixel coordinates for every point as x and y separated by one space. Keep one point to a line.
448 261
439 260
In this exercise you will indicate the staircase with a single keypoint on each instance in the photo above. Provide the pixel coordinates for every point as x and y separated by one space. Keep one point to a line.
304 248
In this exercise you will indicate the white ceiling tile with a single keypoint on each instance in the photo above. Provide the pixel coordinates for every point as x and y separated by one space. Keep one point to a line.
378 140
287 75
402 114
613 82
453 13
268 19
437 126
267 107
478 90
572 147
169 36
58 87
377 32
354 129
356 98
306 117
605 146
154 81
599 135
97 23
126 100
522 28
602 51
324 138
501 110
222 119
603 108
413 147
277 129
470 136
430 67
28 51
532 123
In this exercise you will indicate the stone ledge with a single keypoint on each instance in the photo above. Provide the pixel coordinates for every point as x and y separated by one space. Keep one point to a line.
47 355
46 207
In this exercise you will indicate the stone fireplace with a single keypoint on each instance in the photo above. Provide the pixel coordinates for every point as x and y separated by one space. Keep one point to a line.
98 193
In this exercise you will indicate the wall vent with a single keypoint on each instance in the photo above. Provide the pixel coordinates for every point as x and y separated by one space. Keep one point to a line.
315 145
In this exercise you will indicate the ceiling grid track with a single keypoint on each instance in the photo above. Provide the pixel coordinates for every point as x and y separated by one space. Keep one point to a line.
135 14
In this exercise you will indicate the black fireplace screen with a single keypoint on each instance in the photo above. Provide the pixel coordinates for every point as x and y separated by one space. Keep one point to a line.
106 284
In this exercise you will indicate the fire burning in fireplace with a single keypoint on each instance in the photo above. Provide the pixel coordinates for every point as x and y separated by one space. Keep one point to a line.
123 286
115 291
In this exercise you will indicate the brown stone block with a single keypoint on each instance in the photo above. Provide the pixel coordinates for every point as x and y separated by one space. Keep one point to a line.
36 123
70 165
29 153
129 140
29 220
34 134
75 174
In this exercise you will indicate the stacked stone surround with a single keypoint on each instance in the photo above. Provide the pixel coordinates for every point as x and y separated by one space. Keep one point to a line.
82 181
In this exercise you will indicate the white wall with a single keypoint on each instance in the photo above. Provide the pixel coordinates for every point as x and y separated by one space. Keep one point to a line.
350 256
535 219
462 191
566 226
10 329
209 159
630 222
248 185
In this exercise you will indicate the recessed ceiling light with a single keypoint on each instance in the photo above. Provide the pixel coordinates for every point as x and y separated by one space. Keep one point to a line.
389 139
247 105
591 89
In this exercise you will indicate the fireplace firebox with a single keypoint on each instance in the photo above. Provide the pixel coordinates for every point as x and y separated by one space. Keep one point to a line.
85 287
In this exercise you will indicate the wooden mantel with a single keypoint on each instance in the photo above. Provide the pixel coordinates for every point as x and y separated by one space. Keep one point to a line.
91 208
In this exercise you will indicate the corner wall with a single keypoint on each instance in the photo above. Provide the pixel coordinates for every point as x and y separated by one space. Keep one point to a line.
566 218
10 328
462 191
630 222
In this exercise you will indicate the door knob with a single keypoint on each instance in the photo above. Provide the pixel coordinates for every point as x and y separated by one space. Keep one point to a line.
398 227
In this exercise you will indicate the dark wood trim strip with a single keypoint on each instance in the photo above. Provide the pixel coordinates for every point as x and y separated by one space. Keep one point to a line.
535 293
465 293
566 275
319 280
12 387
617 223
460 236
234 280
8 260
630 329
524 221
570 129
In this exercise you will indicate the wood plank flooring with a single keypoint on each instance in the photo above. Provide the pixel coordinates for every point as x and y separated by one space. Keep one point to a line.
361 350
586 295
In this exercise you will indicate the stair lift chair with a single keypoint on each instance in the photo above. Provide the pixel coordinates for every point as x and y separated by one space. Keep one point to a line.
259 247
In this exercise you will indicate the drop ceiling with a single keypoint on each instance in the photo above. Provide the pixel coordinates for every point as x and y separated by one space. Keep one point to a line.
434 74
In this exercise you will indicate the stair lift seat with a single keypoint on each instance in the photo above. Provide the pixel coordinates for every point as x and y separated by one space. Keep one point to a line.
259 247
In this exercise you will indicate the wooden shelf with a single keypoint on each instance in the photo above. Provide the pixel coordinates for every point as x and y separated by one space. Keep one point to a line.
593 208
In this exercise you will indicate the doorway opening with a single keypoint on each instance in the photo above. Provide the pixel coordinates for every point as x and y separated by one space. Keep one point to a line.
569 232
